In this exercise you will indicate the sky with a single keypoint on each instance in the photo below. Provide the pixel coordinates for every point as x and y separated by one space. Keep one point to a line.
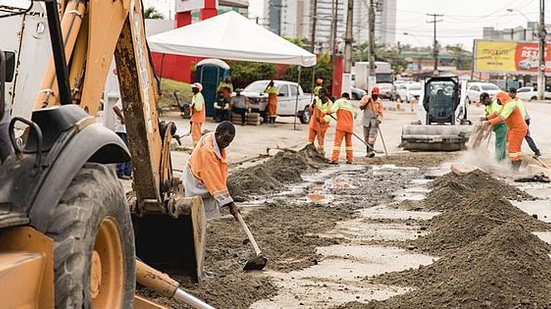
462 22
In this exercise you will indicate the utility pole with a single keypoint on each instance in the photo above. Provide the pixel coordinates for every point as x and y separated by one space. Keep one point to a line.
334 27
348 37
542 35
371 49
314 20
435 48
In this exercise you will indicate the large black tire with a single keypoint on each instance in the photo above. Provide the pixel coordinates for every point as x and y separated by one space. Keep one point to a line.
95 194
305 115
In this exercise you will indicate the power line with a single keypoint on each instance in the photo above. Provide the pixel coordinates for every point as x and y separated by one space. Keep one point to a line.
434 21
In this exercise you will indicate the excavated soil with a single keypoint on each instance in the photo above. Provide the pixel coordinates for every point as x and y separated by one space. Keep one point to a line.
476 215
410 159
275 174
507 268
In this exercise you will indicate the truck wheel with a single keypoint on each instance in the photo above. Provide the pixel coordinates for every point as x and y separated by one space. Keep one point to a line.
305 115
94 254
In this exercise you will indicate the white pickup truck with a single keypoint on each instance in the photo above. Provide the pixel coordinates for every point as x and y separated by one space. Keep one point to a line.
286 100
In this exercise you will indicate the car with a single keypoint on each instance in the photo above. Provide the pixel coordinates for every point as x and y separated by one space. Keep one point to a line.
408 91
475 89
531 93
287 105
529 63
357 93
387 91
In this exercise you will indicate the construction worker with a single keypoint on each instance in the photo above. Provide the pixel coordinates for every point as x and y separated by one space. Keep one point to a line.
240 105
317 88
345 112
124 169
516 126
372 107
198 112
206 172
226 87
528 138
221 108
271 109
500 130
319 121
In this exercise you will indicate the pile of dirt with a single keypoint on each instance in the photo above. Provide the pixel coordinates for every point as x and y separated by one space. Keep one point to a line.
472 218
507 268
447 196
478 180
410 159
284 168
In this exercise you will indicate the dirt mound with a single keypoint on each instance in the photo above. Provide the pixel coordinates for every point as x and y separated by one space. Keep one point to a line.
274 174
507 268
478 180
474 217
447 196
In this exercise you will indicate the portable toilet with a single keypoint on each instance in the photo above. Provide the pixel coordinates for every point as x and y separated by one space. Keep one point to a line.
209 73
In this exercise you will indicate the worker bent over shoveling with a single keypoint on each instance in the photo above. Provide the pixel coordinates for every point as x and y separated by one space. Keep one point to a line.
344 110
500 130
206 172
319 122
516 126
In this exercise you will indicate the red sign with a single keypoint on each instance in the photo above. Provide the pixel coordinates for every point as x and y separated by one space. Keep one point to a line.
527 58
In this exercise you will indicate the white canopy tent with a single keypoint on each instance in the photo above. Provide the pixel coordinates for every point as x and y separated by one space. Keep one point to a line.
230 36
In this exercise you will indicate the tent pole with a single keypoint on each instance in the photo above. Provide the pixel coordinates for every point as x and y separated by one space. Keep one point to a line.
161 71
313 84
296 102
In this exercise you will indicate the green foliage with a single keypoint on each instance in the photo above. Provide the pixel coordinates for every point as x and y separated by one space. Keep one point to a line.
244 73
168 87
462 58
152 13
297 41
324 70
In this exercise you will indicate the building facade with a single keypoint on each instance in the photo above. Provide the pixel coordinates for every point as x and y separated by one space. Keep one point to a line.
295 18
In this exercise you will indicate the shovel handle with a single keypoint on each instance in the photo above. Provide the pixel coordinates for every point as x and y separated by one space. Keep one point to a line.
249 234
358 137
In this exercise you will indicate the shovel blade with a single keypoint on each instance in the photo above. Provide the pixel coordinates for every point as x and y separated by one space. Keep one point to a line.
256 263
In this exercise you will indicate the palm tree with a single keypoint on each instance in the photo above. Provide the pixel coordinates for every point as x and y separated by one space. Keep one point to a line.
152 13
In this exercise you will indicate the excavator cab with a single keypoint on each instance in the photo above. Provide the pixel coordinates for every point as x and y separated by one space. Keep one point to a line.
442 112
69 237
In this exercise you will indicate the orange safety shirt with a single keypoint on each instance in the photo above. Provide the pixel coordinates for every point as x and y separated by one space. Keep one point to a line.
511 114
345 112
319 117
198 111
209 170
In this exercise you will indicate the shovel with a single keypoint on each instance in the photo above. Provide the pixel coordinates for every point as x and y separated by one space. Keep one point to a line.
258 262
361 139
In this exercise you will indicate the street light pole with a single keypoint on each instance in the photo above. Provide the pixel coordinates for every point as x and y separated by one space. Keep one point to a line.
348 37
542 36
371 49
314 20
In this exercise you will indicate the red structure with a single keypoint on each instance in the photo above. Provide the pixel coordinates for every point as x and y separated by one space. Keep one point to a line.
338 70
176 67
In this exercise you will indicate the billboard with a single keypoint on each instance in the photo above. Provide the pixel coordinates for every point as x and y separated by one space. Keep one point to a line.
509 57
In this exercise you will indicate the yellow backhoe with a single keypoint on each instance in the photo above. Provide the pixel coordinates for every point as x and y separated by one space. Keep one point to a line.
69 236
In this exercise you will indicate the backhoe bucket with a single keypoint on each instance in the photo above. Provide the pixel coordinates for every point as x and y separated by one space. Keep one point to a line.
435 137
174 245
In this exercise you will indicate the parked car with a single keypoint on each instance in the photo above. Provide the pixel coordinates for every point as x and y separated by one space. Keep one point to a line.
286 101
357 93
409 91
387 91
475 89
531 93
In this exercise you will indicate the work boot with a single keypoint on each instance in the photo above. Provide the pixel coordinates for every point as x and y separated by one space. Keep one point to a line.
334 162
516 165
537 155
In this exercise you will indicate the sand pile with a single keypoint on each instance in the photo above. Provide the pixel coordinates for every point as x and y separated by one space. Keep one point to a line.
507 268
478 180
471 218
274 174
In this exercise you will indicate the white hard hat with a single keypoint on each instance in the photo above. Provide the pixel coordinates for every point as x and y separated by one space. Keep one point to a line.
198 86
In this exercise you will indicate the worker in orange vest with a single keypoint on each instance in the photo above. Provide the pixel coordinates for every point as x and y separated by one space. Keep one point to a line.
271 109
344 110
206 172
319 122
198 112
511 114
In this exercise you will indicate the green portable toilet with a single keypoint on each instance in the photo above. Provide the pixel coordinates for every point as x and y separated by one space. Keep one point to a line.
209 73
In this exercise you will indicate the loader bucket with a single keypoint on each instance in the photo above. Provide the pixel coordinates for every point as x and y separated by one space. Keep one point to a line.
173 245
435 137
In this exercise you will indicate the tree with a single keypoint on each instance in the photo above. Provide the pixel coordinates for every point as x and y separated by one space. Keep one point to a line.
324 70
244 73
462 58
152 13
